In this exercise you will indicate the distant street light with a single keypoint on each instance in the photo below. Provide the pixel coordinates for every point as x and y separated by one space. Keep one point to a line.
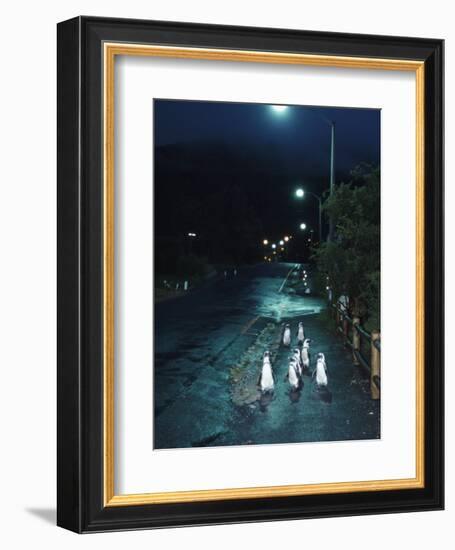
281 243
318 198
273 245
286 238
303 226
192 235
265 242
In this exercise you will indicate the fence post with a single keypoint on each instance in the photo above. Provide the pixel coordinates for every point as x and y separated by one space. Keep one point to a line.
355 340
375 364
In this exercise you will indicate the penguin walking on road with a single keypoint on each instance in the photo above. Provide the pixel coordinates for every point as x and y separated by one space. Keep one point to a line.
298 360
320 371
292 375
287 336
266 381
305 354
300 334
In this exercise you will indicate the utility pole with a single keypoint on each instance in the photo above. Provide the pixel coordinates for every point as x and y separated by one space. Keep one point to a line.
332 173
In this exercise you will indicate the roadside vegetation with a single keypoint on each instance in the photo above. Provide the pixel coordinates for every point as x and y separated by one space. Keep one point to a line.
351 261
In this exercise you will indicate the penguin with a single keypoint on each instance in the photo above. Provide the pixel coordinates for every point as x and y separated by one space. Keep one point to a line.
298 360
322 357
300 334
305 354
292 376
266 381
321 371
287 336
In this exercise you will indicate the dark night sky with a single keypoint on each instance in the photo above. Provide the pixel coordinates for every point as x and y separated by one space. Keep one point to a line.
300 132
268 154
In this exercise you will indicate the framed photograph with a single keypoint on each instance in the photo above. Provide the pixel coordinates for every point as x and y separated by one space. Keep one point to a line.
250 274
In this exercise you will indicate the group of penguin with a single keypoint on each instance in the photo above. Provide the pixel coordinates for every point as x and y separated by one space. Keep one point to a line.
299 363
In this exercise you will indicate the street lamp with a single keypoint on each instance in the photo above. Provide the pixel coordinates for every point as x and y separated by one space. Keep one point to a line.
265 242
303 226
300 192
286 238
273 245
281 243
318 198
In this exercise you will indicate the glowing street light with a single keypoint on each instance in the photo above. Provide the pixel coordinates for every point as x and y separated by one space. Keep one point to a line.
192 235
265 242
286 238
300 193
281 243
303 226
279 109
274 245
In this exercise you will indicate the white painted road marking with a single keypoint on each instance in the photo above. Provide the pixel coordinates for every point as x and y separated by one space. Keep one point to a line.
287 276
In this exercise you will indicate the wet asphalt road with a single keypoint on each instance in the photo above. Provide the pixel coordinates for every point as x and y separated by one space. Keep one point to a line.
199 337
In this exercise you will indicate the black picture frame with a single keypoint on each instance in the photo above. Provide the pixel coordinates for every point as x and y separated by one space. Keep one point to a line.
80 282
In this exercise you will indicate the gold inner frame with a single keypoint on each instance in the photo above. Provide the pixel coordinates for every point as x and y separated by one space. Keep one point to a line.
110 51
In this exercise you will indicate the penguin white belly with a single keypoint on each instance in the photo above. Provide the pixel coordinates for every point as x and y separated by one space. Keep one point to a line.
293 378
305 358
298 364
300 335
321 375
267 383
287 337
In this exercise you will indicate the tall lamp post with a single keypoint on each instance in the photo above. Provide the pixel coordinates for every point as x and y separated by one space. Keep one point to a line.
332 174
281 110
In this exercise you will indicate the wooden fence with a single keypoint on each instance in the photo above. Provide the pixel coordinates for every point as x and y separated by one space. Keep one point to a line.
365 346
